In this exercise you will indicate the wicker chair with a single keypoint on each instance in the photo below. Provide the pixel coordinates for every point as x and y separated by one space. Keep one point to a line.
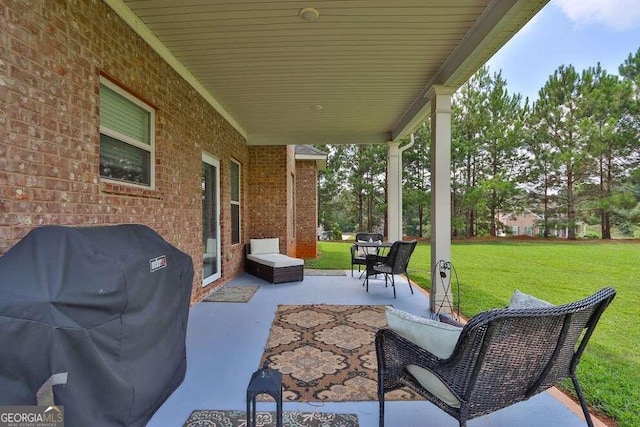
358 255
501 357
395 262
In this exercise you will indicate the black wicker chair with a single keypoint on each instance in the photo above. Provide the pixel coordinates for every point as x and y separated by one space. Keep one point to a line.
359 257
501 357
395 262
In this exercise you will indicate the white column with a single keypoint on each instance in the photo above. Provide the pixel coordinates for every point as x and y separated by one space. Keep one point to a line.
441 298
394 191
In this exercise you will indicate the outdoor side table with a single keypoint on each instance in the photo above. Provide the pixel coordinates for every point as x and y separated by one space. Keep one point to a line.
264 381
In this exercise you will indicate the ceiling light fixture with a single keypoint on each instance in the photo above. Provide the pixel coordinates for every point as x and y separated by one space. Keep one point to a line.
309 14
317 107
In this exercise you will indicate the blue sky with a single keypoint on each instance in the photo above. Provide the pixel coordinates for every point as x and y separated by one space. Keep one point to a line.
577 32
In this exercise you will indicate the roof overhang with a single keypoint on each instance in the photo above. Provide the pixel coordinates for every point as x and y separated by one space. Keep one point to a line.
308 152
361 73
321 161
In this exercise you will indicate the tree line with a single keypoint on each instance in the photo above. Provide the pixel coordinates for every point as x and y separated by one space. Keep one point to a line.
572 155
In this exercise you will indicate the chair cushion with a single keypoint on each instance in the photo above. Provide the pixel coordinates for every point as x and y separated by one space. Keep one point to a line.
383 268
265 246
361 252
437 338
521 300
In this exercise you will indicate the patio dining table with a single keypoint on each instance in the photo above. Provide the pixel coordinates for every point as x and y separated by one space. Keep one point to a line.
374 244
380 248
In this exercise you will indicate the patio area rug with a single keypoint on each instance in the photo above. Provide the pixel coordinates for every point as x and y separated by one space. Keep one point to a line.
327 353
318 272
216 418
232 294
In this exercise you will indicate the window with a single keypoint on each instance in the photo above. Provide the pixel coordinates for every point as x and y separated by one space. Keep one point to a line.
126 137
235 202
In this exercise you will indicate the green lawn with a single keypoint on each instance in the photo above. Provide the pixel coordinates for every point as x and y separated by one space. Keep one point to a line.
558 272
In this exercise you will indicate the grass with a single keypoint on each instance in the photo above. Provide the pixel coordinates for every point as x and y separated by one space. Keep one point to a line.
558 272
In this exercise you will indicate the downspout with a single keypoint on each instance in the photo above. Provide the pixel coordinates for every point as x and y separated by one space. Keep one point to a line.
400 151
409 145
394 207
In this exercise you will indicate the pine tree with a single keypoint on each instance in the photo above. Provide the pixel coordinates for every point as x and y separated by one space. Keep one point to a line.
558 114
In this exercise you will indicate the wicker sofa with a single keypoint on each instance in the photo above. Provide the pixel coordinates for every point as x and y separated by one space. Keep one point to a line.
264 260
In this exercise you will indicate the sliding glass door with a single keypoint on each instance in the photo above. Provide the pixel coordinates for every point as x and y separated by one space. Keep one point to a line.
210 219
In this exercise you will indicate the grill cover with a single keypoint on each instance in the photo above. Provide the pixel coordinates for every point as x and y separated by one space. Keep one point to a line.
106 305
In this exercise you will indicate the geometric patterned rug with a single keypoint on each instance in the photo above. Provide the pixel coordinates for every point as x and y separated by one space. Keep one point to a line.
215 418
232 294
327 353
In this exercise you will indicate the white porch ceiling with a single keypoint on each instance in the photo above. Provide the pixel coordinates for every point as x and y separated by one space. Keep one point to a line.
368 64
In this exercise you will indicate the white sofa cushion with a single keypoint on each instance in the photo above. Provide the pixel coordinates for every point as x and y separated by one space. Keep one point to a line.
436 337
276 260
265 246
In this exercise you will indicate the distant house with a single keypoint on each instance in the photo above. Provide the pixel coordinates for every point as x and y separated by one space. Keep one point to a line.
531 224
562 231
520 224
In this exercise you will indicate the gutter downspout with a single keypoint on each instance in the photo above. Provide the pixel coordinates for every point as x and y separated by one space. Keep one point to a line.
395 188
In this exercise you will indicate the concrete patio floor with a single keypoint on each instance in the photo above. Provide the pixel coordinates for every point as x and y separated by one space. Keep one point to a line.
225 342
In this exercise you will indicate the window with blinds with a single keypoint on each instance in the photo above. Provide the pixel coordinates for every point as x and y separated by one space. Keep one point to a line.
235 202
126 137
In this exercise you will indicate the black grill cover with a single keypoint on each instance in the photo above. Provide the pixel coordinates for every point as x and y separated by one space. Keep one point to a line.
107 305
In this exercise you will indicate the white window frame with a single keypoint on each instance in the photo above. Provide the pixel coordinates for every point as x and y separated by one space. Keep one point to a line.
151 147
237 202
215 162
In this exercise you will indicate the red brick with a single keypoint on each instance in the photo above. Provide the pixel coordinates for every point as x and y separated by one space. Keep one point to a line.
306 212
50 174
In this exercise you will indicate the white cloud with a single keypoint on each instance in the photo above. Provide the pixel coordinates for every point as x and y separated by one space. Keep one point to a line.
619 15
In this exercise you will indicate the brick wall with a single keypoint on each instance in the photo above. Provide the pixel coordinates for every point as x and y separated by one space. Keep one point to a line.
52 54
306 208
291 192
267 193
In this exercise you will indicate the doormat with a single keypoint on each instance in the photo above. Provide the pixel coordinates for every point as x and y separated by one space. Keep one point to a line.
327 353
216 418
232 294
318 272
